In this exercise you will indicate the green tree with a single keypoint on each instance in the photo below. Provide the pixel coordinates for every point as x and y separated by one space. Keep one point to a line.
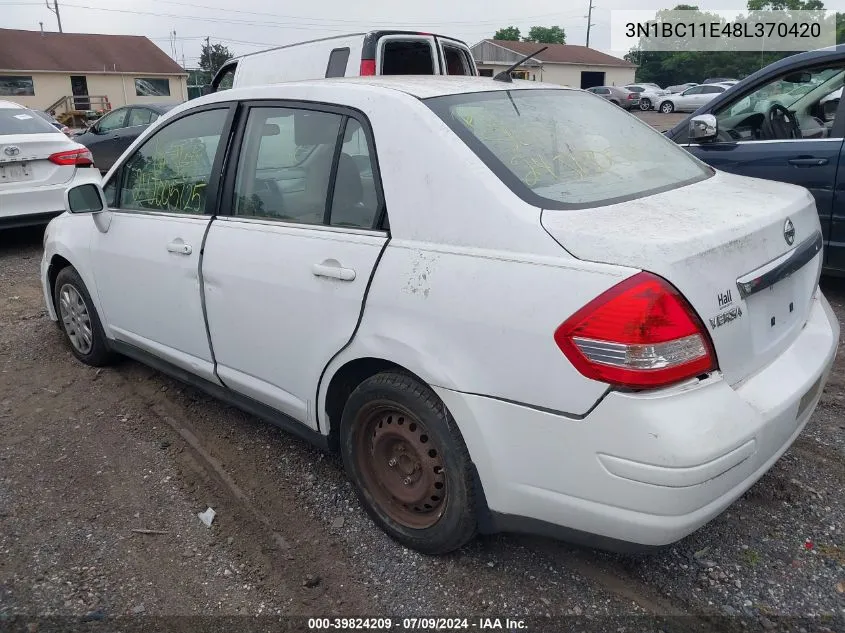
509 33
785 5
546 35
213 56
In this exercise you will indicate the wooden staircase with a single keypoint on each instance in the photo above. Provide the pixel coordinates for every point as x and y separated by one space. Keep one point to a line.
68 110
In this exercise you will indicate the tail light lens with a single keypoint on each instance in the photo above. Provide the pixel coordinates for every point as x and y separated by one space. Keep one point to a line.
368 67
630 95
640 334
80 157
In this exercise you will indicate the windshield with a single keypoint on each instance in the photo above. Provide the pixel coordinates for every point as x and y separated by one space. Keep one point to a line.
23 121
563 149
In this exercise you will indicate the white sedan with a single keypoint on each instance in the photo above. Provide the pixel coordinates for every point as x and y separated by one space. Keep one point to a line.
37 163
479 293
691 99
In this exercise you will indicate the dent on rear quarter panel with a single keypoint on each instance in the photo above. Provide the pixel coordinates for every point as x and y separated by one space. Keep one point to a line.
480 323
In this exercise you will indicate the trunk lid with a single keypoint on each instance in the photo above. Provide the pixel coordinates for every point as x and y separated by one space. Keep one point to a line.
29 166
721 242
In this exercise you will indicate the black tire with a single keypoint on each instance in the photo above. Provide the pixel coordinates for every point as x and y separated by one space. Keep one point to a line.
645 104
99 354
455 523
667 107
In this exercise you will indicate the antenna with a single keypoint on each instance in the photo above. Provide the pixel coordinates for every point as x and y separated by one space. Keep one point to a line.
505 75
589 17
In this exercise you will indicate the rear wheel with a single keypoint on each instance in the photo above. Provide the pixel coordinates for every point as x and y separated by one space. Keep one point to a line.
79 320
645 104
667 107
404 453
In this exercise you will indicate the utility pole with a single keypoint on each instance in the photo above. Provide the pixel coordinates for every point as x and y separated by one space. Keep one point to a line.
55 9
589 17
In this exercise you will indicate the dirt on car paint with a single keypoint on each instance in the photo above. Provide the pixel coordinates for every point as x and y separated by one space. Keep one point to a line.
103 473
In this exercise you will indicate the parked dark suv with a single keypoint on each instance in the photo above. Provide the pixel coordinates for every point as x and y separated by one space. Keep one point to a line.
785 122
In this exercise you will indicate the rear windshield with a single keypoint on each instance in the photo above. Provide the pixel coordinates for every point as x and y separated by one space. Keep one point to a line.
413 57
561 149
22 121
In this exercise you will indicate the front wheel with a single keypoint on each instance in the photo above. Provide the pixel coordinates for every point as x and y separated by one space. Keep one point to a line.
79 320
645 104
667 107
412 471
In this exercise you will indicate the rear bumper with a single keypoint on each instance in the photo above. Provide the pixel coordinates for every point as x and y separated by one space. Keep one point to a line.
646 468
37 205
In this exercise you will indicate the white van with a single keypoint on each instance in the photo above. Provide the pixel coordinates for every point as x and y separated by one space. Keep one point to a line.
373 53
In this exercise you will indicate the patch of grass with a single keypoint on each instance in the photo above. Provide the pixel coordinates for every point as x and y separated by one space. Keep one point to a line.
750 557
832 552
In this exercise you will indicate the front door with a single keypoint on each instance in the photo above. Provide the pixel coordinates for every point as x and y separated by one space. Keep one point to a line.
79 88
286 269
785 130
146 256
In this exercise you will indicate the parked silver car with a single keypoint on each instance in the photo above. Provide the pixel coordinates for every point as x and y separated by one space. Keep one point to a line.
650 94
620 96
691 99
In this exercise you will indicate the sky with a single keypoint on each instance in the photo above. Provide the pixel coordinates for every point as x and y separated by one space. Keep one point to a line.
250 25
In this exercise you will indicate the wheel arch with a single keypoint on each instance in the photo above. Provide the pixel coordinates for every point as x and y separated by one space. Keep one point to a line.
57 264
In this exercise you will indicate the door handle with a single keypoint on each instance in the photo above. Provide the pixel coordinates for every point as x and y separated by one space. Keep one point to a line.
178 246
331 268
808 162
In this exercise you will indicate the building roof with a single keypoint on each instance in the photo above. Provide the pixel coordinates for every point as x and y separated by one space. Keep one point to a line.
561 53
82 52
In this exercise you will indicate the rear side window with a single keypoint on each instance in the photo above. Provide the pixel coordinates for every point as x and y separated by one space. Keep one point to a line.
22 121
412 57
561 149
338 59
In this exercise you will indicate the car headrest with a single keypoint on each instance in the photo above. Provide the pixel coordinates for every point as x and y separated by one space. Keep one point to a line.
314 128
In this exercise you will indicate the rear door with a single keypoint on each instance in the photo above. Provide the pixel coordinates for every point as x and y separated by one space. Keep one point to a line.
407 54
455 57
288 261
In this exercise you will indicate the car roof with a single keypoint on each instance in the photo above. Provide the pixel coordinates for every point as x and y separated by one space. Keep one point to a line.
11 104
420 86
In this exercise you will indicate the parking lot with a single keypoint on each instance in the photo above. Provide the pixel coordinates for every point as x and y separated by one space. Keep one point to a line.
103 472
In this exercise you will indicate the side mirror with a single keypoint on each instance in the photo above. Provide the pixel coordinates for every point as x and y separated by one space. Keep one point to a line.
703 127
87 198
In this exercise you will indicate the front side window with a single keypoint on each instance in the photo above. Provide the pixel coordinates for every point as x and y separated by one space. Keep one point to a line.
152 87
16 86
796 105
113 121
695 90
407 57
172 169
562 149
635 88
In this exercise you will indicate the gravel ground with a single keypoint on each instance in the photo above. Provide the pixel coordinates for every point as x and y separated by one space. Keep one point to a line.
87 456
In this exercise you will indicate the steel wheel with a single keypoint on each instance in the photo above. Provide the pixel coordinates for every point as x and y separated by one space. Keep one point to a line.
76 319
401 467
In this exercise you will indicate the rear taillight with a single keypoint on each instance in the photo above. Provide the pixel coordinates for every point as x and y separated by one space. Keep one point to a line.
640 334
80 157
630 95
368 67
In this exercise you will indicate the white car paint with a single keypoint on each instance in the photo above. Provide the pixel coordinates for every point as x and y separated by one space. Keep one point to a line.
309 60
32 188
693 97
466 291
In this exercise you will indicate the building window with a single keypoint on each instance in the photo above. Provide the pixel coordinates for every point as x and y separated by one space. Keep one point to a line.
519 74
148 87
16 86
485 72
